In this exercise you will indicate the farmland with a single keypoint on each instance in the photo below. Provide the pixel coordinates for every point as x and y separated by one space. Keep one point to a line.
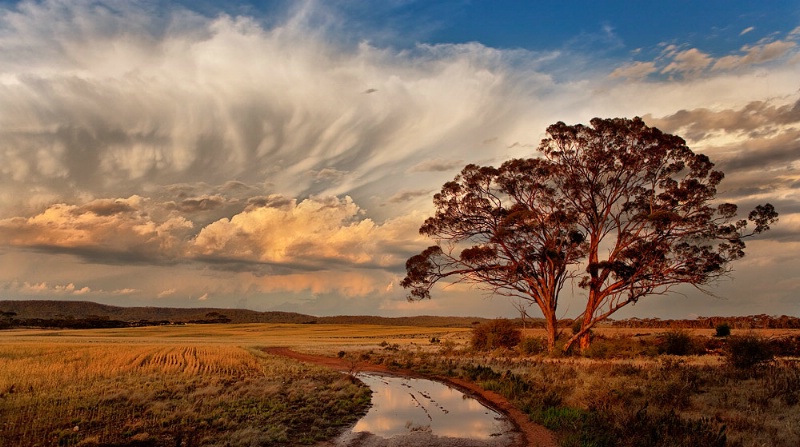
184 385
217 385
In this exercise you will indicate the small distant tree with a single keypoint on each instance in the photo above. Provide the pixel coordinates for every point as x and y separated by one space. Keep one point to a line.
635 206
723 330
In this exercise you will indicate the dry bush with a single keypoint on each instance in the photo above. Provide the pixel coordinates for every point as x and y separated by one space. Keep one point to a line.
679 342
499 333
533 345
603 347
641 400
748 351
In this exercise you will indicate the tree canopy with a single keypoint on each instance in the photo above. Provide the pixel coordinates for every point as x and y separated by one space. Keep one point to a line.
631 206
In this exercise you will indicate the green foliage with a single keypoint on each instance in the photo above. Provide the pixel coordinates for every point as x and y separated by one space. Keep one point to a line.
631 428
723 330
672 384
669 429
499 333
748 351
562 418
480 373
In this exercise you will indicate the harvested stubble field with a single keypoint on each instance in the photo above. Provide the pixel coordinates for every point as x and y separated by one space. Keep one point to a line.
184 385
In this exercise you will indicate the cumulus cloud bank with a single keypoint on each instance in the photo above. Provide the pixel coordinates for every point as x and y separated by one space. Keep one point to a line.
278 159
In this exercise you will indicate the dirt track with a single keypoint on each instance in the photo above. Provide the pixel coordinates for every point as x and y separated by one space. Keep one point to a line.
533 435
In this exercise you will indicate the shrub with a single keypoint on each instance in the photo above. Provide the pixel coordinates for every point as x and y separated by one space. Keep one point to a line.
788 346
713 345
678 342
783 381
723 330
619 347
499 333
533 345
748 351
576 327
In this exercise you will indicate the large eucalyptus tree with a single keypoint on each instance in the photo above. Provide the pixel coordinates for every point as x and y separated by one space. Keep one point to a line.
630 205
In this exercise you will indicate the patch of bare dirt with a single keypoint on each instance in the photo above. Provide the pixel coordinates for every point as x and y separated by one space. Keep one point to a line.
533 435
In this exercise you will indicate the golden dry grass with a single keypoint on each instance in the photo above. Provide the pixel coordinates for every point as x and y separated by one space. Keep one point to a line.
632 399
212 385
301 336
196 385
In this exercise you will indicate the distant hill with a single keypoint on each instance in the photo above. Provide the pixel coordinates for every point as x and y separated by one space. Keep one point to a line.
49 313
87 310
46 309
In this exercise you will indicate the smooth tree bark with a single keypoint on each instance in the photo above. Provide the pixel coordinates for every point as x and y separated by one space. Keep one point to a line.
635 207
646 204
504 230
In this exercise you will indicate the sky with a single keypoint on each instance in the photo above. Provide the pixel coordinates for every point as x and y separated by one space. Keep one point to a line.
282 155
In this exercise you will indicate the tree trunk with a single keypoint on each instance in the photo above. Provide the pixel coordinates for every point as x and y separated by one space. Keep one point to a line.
585 341
552 329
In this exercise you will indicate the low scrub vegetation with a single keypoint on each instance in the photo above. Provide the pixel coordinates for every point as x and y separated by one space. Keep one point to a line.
748 351
159 395
664 389
158 386
499 333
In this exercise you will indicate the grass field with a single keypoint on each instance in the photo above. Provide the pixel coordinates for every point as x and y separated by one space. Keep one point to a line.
624 392
181 385
213 385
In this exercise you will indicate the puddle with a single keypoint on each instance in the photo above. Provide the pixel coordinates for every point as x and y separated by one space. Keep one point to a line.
419 408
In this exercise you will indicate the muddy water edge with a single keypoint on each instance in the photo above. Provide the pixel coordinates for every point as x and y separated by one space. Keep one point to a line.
522 432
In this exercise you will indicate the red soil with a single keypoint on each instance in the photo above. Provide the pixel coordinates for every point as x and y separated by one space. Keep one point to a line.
534 435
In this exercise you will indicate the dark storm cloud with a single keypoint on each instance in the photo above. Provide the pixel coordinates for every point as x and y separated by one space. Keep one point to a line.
272 201
198 204
408 195
106 207
437 165
756 117
763 154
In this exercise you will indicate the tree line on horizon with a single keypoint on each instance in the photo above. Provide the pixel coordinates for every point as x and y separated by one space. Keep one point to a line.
9 320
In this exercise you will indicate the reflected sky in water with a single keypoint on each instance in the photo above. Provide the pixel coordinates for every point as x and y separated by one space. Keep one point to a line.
401 405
